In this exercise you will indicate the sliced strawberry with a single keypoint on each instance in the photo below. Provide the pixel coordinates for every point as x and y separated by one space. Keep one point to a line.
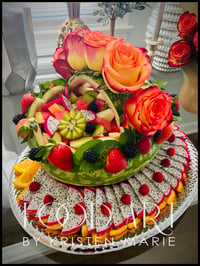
61 157
116 161
26 101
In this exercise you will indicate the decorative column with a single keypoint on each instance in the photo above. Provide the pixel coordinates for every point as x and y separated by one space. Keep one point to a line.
168 34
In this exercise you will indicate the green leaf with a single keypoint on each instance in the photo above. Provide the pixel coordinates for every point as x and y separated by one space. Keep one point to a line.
78 155
33 126
59 82
127 137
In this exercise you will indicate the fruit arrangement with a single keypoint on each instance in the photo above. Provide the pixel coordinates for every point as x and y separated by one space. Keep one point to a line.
76 132
102 134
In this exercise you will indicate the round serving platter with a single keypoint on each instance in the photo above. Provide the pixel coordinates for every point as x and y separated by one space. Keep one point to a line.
163 222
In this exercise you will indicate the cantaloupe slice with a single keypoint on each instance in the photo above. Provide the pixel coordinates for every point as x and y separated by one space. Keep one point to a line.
56 108
20 167
24 180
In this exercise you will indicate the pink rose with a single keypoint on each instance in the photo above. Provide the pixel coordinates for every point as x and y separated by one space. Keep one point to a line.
74 49
125 67
60 63
94 48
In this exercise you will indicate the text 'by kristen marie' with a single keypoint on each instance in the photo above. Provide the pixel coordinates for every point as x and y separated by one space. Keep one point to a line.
153 241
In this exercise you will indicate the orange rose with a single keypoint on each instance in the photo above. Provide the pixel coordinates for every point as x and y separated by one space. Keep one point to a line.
148 110
94 48
125 67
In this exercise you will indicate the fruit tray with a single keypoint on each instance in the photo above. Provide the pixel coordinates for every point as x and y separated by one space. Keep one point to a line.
164 222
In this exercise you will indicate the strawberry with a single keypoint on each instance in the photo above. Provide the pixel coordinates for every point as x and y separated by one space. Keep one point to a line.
165 134
126 199
48 199
177 107
144 145
165 162
34 186
158 177
26 101
116 161
171 151
172 138
144 189
79 208
106 208
61 157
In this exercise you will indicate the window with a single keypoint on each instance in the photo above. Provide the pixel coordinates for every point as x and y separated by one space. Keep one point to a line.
48 16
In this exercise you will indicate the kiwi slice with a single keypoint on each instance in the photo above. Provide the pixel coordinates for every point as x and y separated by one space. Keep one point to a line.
73 125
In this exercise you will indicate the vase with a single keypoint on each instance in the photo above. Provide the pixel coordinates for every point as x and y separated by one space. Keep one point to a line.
188 95
19 50
73 22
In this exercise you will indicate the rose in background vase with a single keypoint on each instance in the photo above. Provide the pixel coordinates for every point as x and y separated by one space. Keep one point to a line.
184 54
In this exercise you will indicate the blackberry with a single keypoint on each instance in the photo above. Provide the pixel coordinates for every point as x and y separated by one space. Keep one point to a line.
42 128
130 150
157 134
93 107
17 118
90 156
172 95
90 128
32 154
176 113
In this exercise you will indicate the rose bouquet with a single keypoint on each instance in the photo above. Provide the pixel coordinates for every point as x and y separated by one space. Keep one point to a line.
124 69
183 51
